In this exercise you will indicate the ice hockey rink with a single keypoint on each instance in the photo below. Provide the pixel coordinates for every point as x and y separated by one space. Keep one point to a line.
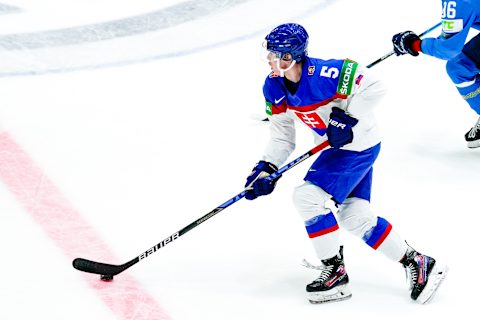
124 121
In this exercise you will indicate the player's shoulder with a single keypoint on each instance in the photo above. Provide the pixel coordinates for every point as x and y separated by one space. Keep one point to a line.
330 68
272 82
317 64
272 87
331 71
336 76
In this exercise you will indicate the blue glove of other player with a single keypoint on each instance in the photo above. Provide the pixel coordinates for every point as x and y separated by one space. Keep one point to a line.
339 130
406 42
256 184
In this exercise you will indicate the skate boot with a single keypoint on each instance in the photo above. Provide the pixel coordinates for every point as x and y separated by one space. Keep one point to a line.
332 284
424 275
473 136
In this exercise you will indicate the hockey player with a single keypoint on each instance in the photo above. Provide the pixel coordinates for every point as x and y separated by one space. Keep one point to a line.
335 99
463 60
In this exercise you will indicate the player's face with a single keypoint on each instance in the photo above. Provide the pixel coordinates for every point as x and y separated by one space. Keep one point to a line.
279 62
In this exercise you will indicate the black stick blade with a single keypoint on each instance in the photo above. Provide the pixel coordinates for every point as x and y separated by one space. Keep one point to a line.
96 267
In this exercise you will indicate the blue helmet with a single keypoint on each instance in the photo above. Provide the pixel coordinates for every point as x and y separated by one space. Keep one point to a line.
288 38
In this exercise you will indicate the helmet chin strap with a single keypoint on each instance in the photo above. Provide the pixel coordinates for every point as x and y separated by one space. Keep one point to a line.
282 71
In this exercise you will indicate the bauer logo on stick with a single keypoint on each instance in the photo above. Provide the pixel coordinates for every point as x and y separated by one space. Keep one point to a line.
158 246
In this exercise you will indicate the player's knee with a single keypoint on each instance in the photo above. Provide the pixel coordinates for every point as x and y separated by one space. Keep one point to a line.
310 200
355 216
461 69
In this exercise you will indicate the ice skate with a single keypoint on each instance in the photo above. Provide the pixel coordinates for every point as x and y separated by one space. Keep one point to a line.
424 275
473 136
332 284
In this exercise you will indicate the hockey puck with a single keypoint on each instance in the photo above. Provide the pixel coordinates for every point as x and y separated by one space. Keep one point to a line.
106 277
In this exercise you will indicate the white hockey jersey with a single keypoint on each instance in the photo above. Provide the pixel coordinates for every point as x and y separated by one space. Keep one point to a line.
323 84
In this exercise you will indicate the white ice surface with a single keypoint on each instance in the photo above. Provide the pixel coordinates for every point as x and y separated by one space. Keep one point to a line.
142 149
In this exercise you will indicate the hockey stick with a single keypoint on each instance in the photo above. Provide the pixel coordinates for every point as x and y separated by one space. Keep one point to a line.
393 52
107 271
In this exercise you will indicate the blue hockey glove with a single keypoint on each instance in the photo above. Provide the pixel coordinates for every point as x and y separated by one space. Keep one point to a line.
256 184
339 130
403 43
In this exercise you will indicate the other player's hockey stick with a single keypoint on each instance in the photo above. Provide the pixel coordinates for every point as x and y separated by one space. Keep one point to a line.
393 52
107 271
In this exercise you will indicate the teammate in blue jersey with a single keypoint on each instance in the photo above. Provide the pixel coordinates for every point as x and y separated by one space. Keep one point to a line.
334 98
463 59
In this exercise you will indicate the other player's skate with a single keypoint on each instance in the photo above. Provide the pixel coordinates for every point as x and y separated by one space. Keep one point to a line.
332 284
473 136
424 274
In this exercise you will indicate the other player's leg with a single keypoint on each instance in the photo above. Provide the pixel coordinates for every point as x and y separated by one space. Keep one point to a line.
464 71
473 136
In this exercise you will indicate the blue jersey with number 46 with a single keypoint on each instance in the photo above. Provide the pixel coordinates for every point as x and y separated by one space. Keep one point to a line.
458 16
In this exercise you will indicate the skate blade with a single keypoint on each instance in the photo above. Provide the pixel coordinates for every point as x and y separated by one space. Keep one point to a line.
435 279
336 294
473 144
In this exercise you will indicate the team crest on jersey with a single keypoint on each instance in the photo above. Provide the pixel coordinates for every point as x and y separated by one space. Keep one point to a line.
313 120
311 70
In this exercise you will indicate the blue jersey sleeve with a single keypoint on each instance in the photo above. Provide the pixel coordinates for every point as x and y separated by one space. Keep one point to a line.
458 16
275 96
267 88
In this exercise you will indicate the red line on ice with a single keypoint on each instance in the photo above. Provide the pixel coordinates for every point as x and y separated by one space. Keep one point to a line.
71 233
